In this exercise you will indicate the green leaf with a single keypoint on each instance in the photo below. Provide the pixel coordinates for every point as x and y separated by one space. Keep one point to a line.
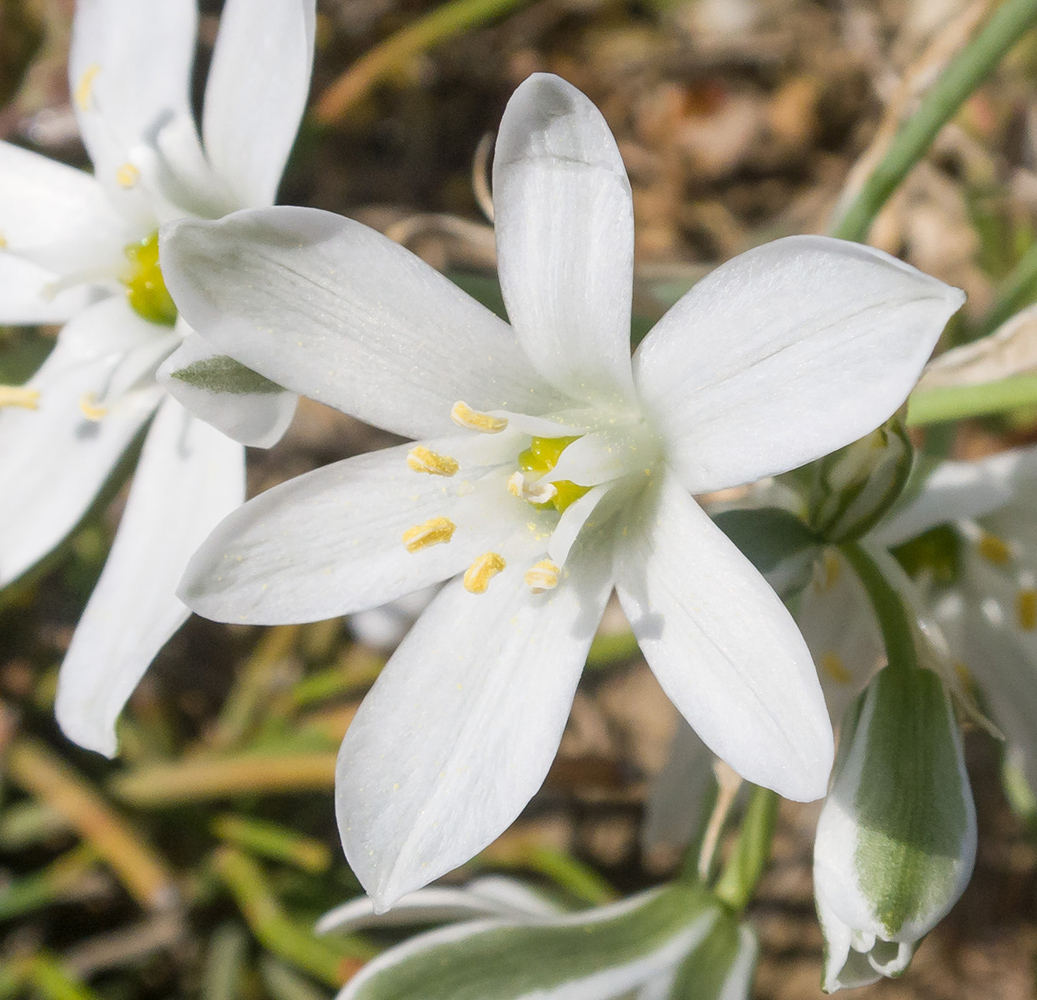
527 961
222 374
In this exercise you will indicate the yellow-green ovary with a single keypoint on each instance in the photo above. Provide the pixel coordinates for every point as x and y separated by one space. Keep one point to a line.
540 458
145 287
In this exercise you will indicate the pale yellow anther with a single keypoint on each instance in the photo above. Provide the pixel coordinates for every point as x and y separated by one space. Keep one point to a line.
19 395
464 416
1026 609
994 549
828 576
3 242
85 87
127 175
542 576
518 487
432 532
422 459
90 408
485 567
965 677
832 664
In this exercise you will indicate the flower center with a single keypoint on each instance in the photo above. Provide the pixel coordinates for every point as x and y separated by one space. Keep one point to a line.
539 459
145 287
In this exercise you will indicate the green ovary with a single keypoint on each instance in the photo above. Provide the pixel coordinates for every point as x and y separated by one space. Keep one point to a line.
145 287
540 458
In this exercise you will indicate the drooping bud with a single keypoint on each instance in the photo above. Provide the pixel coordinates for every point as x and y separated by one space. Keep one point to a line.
896 840
855 486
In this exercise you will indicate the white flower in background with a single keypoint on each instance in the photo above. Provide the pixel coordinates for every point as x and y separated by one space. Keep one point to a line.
549 470
507 943
84 249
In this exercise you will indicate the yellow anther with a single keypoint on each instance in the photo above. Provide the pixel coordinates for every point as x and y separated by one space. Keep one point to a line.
1026 609
965 677
127 175
832 664
3 242
422 459
829 573
90 408
478 576
432 532
19 395
85 87
994 549
542 576
464 416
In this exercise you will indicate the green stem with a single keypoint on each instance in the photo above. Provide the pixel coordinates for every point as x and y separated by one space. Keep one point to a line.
959 402
272 841
964 74
1017 290
739 879
894 621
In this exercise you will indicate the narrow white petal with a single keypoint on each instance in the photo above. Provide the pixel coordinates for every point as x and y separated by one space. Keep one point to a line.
565 238
189 477
784 354
333 310
723 646
27 294
331 542
460 728
129 74
54 460
257 418
256 93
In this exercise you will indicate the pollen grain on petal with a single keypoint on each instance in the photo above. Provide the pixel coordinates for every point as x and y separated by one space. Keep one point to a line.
19 395
85 88
422 459
543 576
90 408
127 176
432 532
464 416
483 569
1026 609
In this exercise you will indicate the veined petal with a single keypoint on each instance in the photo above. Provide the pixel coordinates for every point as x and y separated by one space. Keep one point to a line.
565 238
129 73
189 477
460 728
245 406
723 646
331 542
58 216
784 354
256 93
333 310
53 459
27 294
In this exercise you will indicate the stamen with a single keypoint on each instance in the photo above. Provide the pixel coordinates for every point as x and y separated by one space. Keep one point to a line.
3 242
432 532
464 416
542 576
832 664
994 549
1026 609
422 459
85 87
127 175
90 408
19 395
478 576
518 487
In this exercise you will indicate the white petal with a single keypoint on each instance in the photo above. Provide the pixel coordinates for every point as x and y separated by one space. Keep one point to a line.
27 294
331 542
58 216
256 93
784 354
189 477
258 419
333 310
129 74
565 238
460 728
723 646
53 459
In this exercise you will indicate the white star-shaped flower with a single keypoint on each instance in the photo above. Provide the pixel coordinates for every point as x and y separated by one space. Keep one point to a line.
83 248
550 469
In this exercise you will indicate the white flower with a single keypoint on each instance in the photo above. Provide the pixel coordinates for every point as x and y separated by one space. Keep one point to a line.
508 942
83 249
549 470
